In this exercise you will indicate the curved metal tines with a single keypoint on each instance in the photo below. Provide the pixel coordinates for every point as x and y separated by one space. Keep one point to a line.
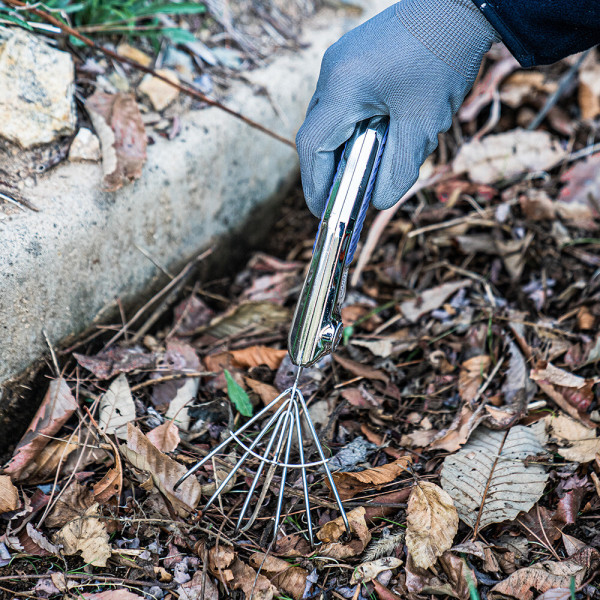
278 433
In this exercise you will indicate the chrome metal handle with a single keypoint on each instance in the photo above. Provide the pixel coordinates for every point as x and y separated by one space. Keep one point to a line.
317 323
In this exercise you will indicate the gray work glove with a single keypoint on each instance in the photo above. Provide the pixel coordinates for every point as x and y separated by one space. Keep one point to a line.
415 62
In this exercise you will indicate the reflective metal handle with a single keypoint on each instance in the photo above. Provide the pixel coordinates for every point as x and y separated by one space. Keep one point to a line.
317 324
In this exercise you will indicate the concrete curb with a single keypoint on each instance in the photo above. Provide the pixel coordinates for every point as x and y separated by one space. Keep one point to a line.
61 266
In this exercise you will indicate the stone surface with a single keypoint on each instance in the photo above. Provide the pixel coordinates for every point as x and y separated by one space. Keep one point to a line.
159 92
85 146
68 263
36 90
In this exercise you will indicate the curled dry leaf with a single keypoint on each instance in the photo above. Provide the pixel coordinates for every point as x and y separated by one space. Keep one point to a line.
113 361
165 437
9 495
471 375
266 391
286 577
118 123
431 299
489 480
576 441
505 155
455 436
110 485
359 370
331 533
432 523
353 483
74 501
369 570
165 471
56 408
87 534
563 387
117 408
547 575
253 356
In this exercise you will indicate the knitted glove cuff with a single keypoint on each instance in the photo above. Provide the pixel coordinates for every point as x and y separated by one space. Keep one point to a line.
454 30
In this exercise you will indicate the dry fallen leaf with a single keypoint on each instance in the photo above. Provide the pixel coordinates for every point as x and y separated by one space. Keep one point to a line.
432 523
118 594
55 410
504 155
266 391
547 575
284 576
431 299
255 587
457 434
489 476
159 92
589 89
87 534
472 373
71 504
9 495
367 571
563 387
118 124
257 316
253 356
165 471
192 590
349 484
359 370
110 485
165 437
331 532
576 442
556 594
117 408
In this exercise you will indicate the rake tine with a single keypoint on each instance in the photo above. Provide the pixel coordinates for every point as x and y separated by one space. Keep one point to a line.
303 471
325 465
225 442
283 477
245 455
282 421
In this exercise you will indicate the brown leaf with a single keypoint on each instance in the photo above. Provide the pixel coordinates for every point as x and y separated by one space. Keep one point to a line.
547 575
255 587
165 471
56 408
351 484
165 437
537 205
472 372
383 593
432 523
458 574
331 532
113 361
431 299
74 501
359 370
255 316
253 356
266 391
284 576
30 541
110 485
505 155
192 590
582 184
589 89
558 383
118 124
374 513
87 534
576 441
455 436
9 495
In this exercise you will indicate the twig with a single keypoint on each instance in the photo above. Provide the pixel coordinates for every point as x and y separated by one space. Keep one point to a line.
564 83
186 89
171 377
94 577
181 275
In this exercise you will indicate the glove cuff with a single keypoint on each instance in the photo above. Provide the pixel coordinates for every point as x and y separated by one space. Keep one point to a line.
454 30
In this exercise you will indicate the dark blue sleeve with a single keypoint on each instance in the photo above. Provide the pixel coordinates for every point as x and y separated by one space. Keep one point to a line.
540 32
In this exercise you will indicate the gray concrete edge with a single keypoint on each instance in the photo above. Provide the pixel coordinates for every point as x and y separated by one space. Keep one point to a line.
62 266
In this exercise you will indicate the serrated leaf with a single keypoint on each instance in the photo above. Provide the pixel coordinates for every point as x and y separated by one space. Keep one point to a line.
490 470
432 523
238 395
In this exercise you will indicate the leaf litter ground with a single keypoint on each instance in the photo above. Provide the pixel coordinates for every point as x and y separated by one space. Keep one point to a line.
460 412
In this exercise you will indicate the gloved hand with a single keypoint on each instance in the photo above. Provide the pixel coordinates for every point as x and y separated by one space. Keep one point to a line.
415 62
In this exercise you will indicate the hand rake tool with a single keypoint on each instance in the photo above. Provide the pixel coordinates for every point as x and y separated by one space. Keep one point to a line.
316 330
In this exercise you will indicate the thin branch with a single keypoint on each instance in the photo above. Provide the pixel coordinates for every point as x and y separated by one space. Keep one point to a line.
186 89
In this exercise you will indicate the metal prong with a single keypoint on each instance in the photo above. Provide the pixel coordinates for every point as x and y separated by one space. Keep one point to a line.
283 478
225 442
303 470
246 454
282 421
325 465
